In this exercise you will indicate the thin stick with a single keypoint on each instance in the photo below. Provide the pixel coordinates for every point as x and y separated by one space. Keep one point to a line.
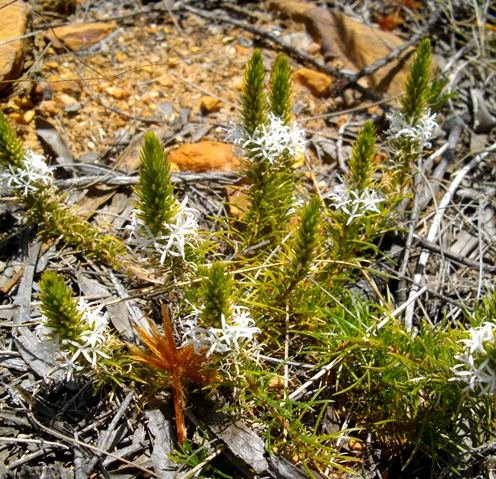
436 227
297 393
76 442
128 180
105 439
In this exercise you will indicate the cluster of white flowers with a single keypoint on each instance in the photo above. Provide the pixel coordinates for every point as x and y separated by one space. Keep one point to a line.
421 132
238 329
70 352
271 140
24 181
355 204
172 243
475 367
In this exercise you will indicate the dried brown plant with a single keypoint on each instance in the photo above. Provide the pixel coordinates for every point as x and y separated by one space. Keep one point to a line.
183 365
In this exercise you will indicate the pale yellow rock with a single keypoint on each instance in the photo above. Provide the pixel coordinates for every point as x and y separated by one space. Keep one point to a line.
209 104
48 108
318 83
66 100
164 80
13 25
28 116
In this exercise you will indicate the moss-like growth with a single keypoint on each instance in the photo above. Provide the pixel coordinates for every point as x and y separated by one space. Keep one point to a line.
415 101
306 242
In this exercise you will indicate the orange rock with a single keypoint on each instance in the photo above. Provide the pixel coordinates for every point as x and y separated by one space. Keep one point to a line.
318 83
80 35
121 57
297 10
17 117
22 101
62 84
204 156
242 51
150 98
209 104
13 24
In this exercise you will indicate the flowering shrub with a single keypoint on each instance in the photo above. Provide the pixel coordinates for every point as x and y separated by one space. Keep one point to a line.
285 281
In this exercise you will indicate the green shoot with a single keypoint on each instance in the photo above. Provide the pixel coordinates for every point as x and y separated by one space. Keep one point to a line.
361 166
157 204
11 150
253 100
280 89
415 101
63 318
217 295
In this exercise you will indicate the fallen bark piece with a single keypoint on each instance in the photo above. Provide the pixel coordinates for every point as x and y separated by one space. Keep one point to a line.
62 7
80 35
162 439
242 442
352 44
13 25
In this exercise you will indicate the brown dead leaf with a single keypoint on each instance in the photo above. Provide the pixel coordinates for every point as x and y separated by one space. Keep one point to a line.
411 4
389 22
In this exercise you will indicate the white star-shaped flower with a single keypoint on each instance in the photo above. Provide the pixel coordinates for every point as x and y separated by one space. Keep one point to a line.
271 140
33 175
475 367
176 234
235 331
421 132
76 355
355 204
